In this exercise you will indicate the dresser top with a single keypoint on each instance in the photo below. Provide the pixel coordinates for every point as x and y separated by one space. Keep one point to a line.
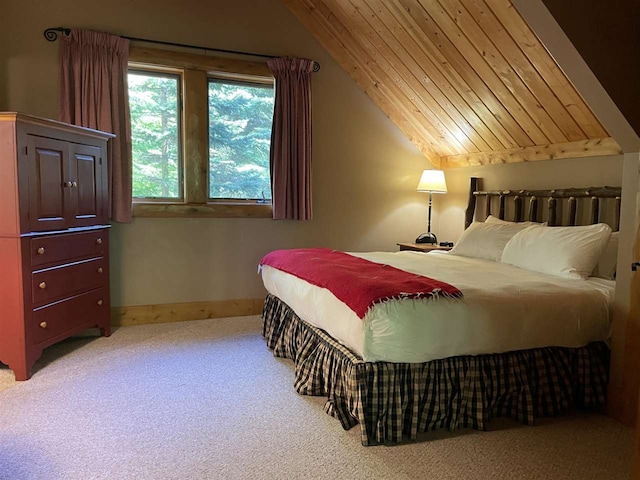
17 117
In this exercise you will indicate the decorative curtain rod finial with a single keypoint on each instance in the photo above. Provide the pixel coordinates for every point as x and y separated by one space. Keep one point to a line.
51 34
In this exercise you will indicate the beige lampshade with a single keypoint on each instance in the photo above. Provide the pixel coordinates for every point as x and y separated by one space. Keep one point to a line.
432 181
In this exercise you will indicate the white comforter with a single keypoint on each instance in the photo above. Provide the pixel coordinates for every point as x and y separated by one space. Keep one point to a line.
504 308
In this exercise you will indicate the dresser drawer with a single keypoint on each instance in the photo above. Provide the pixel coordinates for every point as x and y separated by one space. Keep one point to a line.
88 309
58 282
67 246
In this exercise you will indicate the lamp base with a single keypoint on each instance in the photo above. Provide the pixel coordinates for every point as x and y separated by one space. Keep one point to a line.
427 238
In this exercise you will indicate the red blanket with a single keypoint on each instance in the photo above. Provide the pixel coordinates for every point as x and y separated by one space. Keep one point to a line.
357 282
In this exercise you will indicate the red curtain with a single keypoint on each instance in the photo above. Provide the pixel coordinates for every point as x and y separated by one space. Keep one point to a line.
93 93
291 139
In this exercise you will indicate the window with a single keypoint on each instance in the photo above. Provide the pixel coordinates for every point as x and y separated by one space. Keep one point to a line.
201 134
154 100
240 116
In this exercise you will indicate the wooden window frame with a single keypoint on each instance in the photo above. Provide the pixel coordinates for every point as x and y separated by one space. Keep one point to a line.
235 79
173 72
196 71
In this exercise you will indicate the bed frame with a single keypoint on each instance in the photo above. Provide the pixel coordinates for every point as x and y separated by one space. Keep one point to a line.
598 199
392 402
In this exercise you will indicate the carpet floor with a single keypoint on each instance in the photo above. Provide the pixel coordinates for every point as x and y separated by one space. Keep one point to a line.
207 400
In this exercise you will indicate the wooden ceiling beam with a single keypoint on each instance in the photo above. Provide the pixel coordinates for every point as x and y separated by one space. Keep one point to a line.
578 149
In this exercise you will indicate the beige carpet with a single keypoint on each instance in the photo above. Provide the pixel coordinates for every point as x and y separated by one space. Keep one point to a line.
207 400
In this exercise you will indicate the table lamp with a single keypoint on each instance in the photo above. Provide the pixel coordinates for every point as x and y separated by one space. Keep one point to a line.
432 181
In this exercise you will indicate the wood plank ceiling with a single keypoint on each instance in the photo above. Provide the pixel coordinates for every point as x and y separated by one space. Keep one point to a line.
467 81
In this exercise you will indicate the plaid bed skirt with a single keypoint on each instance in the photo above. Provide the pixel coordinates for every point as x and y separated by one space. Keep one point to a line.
392 400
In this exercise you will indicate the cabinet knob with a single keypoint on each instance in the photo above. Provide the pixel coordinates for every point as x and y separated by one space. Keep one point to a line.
74 184
40 251
43 324
42 285
100 302
68 184
99 241
100 270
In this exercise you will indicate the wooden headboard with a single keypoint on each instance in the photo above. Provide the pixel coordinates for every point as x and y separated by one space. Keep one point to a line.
597 201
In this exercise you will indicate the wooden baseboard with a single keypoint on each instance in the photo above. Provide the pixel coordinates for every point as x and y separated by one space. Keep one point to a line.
182 312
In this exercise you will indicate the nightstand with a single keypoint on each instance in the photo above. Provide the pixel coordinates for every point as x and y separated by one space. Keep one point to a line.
421 247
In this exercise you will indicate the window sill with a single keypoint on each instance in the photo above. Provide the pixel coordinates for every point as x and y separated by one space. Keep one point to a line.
202 210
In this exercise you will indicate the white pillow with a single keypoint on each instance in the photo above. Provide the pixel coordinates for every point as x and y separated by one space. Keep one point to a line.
606 267
496 221
484 240
570 252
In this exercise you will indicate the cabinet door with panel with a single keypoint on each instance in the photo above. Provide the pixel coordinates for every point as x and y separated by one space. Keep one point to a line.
87 172
50 198
67 184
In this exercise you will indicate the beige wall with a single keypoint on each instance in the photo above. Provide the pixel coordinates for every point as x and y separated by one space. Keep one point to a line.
365 171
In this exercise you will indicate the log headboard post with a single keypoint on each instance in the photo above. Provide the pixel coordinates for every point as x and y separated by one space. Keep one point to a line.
596 196
471 206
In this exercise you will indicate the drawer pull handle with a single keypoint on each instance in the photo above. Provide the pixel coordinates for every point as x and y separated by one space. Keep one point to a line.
43 324
40 251
42 285
100 302
99 241
99 269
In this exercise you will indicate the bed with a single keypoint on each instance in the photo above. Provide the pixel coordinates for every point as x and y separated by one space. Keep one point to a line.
518 343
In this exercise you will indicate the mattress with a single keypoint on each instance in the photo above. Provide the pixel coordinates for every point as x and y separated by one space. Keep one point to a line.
504 308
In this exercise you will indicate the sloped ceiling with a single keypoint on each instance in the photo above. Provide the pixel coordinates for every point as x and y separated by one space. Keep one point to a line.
467 81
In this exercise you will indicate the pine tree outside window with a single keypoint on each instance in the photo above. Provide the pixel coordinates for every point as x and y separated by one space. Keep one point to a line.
240 118
154 102
201 133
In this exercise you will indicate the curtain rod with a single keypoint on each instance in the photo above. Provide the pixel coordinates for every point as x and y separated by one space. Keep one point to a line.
51 34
